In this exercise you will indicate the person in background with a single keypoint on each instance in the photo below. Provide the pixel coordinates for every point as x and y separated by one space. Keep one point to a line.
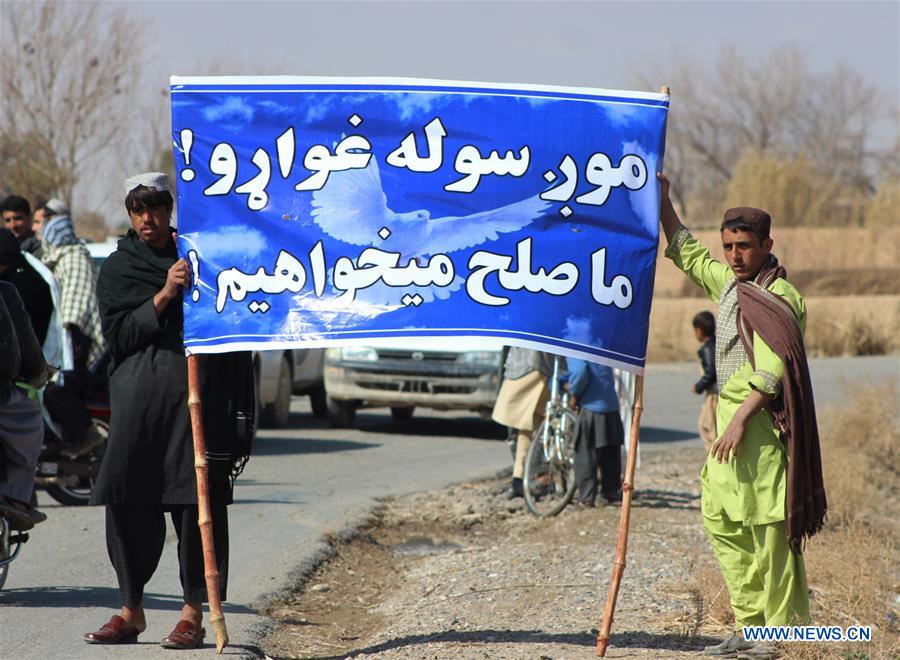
705 331
16 213
598 443
521 401
37 219
22 371
34 291
71 265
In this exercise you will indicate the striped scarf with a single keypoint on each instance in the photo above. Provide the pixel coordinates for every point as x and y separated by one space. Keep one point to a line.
59 231
768 315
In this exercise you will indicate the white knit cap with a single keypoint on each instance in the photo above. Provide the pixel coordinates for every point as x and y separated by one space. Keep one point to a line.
57 206
157 180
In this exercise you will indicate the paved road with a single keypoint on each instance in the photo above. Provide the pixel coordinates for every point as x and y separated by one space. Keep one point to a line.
303 483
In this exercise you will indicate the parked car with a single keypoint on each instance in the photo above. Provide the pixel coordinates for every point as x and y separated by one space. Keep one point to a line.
279 373
100 251
444 374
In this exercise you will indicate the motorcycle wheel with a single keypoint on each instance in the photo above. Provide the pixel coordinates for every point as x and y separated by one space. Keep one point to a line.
78 495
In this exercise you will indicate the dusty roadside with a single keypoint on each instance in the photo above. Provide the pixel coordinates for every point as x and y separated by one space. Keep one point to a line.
464 573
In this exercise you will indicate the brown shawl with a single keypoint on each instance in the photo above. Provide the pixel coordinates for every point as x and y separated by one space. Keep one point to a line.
767 314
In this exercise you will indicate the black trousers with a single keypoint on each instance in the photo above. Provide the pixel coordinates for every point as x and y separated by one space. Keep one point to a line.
136 534
598 444
67 404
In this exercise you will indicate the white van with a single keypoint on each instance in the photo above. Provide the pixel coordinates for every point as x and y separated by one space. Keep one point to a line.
441 373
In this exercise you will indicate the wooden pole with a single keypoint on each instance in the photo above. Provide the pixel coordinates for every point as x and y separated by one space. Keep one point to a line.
624 519
627 493
211 569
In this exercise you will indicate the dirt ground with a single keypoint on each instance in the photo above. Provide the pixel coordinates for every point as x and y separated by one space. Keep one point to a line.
465 573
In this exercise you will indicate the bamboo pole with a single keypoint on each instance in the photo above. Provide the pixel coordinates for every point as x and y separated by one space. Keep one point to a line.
625 517
211 570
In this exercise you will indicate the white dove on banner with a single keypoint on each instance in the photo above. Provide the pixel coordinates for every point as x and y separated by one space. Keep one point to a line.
352 208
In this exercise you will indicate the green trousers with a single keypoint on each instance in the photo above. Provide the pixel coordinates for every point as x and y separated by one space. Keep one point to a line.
766 581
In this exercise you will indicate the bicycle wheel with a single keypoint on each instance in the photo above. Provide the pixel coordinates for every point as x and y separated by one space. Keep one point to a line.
549 479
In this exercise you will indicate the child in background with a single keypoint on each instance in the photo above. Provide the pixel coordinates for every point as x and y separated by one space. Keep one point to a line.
705 332
600 437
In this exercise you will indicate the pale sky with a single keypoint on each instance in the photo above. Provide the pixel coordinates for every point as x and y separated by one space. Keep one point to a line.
597 44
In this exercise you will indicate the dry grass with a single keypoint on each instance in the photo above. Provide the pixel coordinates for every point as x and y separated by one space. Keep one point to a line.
671 334
851 572
794 190
852 565
853 325
828 282
849 277
836 325
711 594
851 252
860 453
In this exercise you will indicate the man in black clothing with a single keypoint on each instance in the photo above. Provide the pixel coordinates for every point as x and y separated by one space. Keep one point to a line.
22 368
148 468
33 290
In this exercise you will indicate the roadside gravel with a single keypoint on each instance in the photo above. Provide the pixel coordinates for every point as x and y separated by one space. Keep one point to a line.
464 573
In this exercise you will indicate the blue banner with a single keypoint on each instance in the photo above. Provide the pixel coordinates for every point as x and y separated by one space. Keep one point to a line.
321 212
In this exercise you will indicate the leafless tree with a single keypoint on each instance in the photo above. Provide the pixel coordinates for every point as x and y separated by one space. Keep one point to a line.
68 86
776 106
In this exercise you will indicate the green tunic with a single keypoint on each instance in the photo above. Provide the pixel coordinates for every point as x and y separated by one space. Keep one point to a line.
751 487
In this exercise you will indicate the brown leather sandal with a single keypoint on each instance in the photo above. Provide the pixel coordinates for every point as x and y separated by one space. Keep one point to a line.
114 631
186 635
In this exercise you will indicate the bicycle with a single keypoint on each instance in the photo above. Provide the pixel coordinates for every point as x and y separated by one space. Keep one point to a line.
549 479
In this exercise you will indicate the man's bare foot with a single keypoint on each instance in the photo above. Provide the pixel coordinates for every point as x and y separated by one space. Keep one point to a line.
134 616
192 612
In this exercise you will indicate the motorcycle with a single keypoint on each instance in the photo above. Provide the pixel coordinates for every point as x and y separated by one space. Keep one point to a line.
70 481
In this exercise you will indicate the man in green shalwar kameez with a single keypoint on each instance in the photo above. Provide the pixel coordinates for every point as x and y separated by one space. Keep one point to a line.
744 478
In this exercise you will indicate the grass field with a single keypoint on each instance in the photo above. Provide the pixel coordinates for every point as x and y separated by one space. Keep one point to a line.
842 254
850 280
836 325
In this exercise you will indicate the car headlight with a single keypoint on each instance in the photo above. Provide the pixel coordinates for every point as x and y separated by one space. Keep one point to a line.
358 354
482 358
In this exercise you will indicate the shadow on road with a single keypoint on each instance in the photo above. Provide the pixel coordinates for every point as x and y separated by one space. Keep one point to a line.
665 499
379 420
665 641
657 434
46 597
268 446
460 427
588 639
